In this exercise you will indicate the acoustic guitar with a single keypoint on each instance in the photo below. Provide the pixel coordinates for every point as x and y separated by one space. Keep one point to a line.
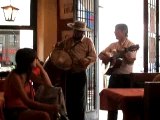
116 60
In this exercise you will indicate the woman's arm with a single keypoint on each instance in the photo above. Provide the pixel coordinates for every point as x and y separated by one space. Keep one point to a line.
40 75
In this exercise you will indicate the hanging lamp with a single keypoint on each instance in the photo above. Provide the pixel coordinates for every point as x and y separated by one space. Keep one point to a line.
10 12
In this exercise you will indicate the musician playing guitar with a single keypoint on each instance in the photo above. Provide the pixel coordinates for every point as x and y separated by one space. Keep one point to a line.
121 56
117 57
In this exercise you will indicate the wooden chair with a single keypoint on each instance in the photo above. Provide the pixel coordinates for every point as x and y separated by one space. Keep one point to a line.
138 79
152 101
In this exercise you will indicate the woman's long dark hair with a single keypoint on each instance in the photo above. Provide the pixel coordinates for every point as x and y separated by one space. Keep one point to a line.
24 59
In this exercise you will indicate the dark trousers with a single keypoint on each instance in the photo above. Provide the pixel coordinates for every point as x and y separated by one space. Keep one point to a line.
75 95
118 81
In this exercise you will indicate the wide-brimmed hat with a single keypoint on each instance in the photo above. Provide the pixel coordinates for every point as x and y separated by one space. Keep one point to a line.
79 25
61 59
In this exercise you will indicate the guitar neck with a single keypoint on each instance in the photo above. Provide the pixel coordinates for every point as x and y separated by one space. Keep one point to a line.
121 53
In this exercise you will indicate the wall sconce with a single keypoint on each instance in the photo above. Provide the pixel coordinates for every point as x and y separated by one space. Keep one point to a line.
10 12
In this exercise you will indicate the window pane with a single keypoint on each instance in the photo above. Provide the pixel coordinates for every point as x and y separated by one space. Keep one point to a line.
23 15
10 42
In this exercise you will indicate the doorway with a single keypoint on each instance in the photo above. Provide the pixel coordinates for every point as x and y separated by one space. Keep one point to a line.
112 12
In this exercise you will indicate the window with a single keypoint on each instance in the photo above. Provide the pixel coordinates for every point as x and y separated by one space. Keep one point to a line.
17 34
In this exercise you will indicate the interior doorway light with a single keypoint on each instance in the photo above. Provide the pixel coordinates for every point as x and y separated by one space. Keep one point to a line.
10 12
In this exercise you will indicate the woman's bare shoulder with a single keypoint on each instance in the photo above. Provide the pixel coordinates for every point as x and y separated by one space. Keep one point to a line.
13 78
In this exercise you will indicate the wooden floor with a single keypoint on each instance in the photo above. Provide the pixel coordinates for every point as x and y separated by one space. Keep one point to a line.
103 115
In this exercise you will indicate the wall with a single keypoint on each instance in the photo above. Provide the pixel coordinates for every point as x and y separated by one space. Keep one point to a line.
46 27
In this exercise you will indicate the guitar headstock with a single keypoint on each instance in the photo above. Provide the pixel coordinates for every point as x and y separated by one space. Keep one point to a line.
132 48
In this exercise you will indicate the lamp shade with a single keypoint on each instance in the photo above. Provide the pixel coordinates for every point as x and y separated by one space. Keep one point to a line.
10 12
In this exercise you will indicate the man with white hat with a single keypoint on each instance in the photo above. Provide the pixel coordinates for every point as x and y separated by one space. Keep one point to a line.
82 52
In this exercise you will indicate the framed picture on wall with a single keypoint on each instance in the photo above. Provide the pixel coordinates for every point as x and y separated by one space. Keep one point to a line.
66 9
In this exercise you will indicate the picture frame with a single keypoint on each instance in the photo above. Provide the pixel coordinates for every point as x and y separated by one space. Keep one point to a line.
66 9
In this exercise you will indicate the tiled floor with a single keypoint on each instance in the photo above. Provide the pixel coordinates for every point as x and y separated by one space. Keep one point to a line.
103 115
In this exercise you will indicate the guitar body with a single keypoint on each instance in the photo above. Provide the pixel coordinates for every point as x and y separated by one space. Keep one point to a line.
117 59
112 68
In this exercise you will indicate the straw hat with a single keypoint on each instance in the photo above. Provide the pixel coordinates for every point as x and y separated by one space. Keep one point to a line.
61 59
79 25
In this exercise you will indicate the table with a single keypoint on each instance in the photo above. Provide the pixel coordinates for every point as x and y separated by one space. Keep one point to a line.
129 100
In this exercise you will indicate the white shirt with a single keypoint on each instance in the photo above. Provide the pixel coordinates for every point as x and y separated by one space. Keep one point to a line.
125 67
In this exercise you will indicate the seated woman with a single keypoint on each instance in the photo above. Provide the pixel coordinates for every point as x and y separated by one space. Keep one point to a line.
19 93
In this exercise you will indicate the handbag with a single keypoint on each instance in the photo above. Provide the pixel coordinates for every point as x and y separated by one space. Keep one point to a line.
52 95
